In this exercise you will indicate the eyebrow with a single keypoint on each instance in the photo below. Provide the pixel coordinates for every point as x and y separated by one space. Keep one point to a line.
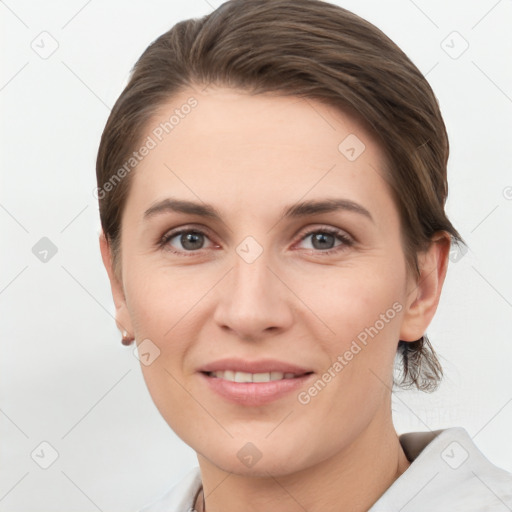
302 209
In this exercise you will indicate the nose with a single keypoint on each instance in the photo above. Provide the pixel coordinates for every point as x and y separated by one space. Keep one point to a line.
254 301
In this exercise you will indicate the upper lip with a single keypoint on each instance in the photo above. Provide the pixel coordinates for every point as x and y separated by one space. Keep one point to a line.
259 366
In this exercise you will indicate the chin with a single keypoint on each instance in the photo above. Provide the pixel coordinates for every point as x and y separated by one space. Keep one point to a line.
258 459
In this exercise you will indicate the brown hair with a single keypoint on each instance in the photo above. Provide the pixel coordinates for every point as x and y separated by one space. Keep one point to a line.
311 49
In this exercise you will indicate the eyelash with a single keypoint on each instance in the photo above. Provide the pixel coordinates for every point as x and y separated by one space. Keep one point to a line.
347 242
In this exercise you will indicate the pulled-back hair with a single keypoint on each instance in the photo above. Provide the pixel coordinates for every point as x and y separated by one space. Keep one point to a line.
310 49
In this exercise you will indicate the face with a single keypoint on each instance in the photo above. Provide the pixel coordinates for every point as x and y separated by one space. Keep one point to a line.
260 241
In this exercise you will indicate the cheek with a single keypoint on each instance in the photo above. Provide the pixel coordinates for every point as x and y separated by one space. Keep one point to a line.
161 309
160 301
351 301
167 306
364 310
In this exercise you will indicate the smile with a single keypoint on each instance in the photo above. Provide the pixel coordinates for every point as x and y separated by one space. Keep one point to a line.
234 376
253 383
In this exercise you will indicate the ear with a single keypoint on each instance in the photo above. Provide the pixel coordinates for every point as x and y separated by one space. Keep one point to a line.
424 294
123 321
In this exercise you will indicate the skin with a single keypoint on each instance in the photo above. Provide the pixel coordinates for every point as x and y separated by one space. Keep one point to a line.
250 156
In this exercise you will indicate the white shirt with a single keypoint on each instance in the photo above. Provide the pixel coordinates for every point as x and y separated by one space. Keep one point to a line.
448 473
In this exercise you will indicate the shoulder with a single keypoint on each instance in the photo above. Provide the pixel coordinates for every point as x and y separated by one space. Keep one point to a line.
180 498
448 473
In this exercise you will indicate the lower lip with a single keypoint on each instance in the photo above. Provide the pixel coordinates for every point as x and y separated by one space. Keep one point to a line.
254 393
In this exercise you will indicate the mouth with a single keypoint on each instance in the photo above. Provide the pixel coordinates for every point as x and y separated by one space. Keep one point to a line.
253 383
235 376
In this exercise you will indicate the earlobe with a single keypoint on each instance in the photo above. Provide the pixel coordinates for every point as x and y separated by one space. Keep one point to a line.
423 297
123 320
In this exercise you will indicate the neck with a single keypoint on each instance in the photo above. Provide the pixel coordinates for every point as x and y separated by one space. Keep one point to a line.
356 477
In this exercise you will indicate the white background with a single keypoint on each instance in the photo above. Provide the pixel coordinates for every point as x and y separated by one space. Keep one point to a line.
65 377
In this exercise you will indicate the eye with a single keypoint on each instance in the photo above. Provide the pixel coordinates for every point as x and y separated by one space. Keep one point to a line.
187 239
323 240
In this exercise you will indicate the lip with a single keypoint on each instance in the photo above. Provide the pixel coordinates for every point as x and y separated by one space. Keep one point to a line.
259 366
254 393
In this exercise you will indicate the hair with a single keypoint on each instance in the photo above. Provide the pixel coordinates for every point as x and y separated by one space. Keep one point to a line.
309 49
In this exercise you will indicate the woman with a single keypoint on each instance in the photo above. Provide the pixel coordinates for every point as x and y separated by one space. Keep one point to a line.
272 183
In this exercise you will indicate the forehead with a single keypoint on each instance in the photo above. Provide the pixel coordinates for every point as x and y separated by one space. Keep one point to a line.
253 152
228 116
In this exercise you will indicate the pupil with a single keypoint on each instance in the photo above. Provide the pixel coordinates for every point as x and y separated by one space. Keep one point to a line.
321 237
190 238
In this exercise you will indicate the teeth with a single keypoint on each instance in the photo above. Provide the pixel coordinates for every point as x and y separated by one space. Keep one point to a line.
260 377
251 377
243 377
229 375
